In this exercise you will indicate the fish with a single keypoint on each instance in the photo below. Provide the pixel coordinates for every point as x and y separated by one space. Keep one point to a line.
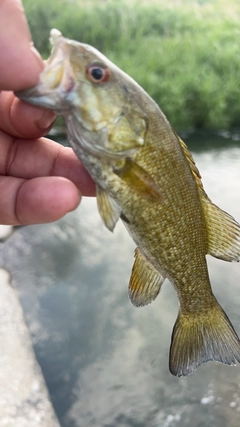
146 176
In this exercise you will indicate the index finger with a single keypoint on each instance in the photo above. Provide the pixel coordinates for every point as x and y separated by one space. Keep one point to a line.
29 159
23 120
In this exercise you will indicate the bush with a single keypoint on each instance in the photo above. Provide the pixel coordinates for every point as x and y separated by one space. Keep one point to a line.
184 54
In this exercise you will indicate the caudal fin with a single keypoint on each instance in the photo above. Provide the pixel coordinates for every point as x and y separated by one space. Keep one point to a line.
199 338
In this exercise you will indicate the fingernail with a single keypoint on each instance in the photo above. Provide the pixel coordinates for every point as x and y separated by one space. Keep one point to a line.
37 55
47 119
77 202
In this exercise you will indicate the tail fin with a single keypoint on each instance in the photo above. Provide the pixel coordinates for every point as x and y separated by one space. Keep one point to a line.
199 338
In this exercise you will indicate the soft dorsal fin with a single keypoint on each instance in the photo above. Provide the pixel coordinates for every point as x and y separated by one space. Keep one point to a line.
108 208
222 229
145 282
223 232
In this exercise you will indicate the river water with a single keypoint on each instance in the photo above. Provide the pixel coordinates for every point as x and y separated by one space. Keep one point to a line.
106 362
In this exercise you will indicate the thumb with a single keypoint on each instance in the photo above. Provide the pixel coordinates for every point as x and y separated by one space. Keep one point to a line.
20 63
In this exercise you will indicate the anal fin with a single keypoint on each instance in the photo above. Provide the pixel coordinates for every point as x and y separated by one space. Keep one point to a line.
145 282
108 208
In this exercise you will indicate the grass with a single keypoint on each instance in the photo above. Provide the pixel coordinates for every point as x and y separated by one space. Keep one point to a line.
184 53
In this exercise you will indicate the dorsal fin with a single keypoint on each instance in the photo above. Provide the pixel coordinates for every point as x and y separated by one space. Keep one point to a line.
193 167
222 229
223 232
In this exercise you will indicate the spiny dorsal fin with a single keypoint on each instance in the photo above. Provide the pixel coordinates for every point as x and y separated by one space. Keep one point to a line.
222 229
108 208
145 282
200 337
192 164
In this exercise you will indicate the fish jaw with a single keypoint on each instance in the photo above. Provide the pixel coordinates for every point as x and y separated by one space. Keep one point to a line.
56 88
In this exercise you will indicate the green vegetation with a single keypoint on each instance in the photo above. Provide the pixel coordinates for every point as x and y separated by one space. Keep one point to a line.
185 54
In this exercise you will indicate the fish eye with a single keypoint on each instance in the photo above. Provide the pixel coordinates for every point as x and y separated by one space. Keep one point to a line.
98 73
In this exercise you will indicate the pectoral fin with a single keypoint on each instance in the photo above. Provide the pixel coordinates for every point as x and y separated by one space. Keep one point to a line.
136 177
108 208
145 282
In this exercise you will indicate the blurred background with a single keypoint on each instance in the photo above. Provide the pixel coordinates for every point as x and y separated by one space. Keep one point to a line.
185 53
104 361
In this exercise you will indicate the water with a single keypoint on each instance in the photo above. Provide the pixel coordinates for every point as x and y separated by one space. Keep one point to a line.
104 361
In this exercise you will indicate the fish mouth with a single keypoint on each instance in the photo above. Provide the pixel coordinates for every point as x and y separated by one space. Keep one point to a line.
57 82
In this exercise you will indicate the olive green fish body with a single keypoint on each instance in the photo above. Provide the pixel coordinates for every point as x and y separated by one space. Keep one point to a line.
145 175
172 224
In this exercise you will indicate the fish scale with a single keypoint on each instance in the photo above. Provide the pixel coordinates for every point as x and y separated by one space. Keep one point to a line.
146 176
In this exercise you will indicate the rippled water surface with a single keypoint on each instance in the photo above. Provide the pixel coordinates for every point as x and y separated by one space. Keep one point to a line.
104 361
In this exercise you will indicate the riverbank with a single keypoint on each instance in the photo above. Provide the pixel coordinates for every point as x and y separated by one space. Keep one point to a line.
24 399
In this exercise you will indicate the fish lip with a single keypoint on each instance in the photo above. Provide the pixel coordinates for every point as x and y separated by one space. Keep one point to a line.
56 81
49 99
38 95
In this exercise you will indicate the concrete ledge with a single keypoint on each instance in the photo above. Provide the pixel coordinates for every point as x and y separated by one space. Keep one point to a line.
24 400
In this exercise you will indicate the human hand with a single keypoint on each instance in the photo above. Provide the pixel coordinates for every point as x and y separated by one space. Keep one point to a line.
40 181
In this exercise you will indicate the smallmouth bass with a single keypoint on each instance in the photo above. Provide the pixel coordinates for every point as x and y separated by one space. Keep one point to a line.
146 176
